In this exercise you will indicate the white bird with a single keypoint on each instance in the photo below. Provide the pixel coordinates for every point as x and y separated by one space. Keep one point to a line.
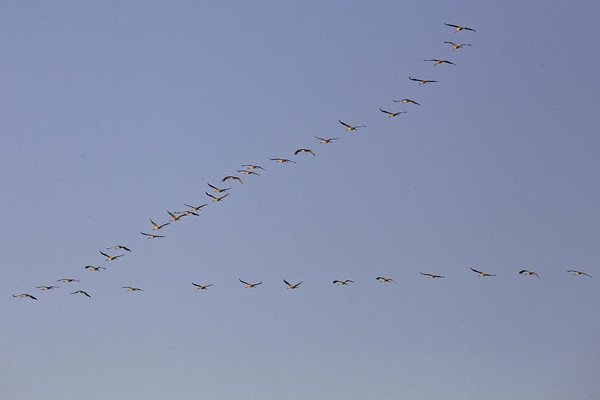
156 226
437 61
111 258
349 127
250 285
422 81
456 46
282 160
292 286
201 287
67 280
458 28
481 274
248 172
392 114
252 166
176 217
218 190
195 208
24 296
132 289
326 140
405 101
118 247
578 273
215 198
152 236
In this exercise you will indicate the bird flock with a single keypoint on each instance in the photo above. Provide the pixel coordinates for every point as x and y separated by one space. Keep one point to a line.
217 194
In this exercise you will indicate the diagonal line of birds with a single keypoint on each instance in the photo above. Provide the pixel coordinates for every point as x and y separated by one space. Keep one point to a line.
216 194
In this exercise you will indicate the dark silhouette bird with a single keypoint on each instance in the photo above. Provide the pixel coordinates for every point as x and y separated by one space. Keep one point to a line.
25 296
406 101
201 287
422 81
152 236
156 226
578 273
383 279
456 46
392 114
326 140
304 151
218 190
458 28
349 127
250 285
111 258
132 289
437 61
232 178
93 268
282 160
51 287
431 276
118 247
215 198
343 283
528 273
292 286
480 273
81 292
67 280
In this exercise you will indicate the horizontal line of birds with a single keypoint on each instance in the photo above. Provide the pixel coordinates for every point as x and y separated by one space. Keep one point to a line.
220 193
251 285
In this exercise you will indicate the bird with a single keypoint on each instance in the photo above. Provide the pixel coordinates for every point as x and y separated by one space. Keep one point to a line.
215 198
282 160
456 46
175 217
67 280
392 114
93 268
578 273
326 140
405 101
232 178
156 226
292 286
248 172
343 283
218 190
118 247
528 273
152 236
350 127
421 81
25 296
250 285
437 61
458 28
431 276
201 287
47 287
383 279
304 151
111 258
480 273
252 166
185 213
195 208
81 292
132 289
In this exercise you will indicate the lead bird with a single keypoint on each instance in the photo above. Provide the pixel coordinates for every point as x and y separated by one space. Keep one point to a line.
250 285
481 274
292 286
422 81
349 127
392 114
458 28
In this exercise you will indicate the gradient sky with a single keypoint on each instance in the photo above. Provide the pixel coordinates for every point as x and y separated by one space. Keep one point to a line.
115 112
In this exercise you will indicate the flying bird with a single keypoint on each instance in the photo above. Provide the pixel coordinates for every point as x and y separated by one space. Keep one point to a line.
81 292
405 101
437 61
578 273
176 217
392 114
25 296
46 287
132 289
196 208
528 273
111 258
215 198
118 247
421 81
252 166
431 276
458 28
201 287
292 286
480 273
383 279
152 236
456 46
218 190
93 268
156 226
304 151
67 280
282 160
349 127
232 178
248 172
250 285
326 140
343 283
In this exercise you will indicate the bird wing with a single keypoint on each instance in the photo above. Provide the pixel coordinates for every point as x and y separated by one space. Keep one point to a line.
345 124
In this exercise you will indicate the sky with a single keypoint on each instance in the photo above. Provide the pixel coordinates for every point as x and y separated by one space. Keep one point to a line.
115 112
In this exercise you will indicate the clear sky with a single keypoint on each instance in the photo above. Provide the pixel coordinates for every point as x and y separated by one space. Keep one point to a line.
115 112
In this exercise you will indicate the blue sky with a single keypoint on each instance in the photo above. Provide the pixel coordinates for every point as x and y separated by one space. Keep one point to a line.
114 113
